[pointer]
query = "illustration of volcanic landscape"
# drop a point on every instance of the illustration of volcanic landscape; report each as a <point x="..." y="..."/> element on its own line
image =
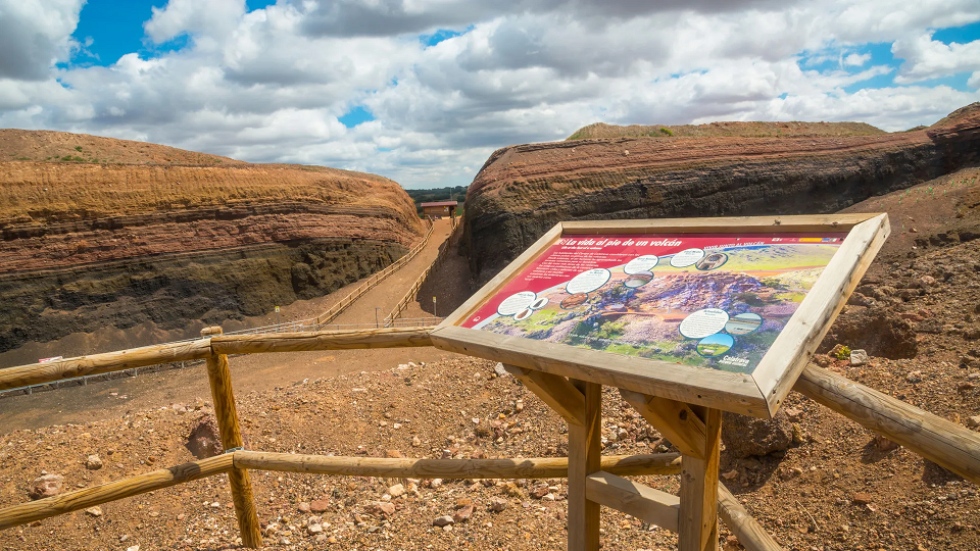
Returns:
<point x="758" y="289"/>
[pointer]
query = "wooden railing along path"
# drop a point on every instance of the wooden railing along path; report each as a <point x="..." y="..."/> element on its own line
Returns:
<point x="947" y="444"/>
<point x="341" y="305"/>
<point x="412" y="294"/>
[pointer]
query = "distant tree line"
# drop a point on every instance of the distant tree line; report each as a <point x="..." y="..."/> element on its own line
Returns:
<point x="455" y="193"/>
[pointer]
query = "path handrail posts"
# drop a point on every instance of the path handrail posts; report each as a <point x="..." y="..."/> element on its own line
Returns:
<point x="373" y="280"/>
<point x="223" y="396"/>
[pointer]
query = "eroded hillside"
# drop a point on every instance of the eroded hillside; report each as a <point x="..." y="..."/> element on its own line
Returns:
<point x="523" y="190"/>
<point x="87" y="245"/>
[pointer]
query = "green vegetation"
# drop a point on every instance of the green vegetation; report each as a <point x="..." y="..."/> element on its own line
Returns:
<point x="666" y="131"/>
<point x="455" y="193"/>
<point x="843" y="353"/>
<point x="78" y="148"/>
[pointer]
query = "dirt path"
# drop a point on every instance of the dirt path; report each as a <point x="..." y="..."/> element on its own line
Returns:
<point x="108" y="399"/>
<point x="386" y="295"/>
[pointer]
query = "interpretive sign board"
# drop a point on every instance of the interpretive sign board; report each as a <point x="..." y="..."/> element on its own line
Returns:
<point x="721" y="312"/>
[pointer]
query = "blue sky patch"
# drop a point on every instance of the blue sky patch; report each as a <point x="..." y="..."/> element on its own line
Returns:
<point x="441" y="35"/>
<point x="358" y="115"/>
<point x="116" y="29"/>
<point x="959" y="35"/>
<point x="252" y="5"/>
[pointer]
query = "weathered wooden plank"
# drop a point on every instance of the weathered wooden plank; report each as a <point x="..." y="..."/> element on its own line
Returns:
<point x="94" y="364"/>
<point x="750" y="534"/>
<point x="128" y="487"/>
<point x="948" y="444"/>
<point x="698" y="527"/>
<point x="321" y="340"/>
<point x="555" y="391"/>
<point x="803" y="223"/>
<point x="643" y="502"/>
<point x="796" y="343"/>
<point x="501" y="278"/>
<point x="693" y="385"/>
<point x="448" y="469"/>
<point x="219" y="377"/>
<point x="675" y="421"/>
<point x="584" y="459"/>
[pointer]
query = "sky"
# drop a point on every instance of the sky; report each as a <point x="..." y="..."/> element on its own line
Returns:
<point x="423" y="91"/>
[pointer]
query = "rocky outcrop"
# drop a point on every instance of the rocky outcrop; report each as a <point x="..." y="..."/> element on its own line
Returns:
<point x="84" y="246"/>
<point x="523" y="190"/>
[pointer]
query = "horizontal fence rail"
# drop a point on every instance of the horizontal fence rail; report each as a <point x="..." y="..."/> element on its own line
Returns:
<point x="939" y="440"/>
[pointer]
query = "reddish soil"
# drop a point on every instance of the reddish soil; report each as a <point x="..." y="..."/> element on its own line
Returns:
<point x="835" y="489"/>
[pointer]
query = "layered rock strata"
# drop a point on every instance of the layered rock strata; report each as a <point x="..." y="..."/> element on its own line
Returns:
<point x="85" y="246"/>
<point x="523" y="190"/>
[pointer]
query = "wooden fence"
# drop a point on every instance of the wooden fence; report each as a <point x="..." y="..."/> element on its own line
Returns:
<point x="341" y="305"/>
<point x="412" y="294"/>
<point x="947" y="444"/>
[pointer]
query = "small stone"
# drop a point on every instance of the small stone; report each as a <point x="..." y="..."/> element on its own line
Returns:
<point x="862" y="498"/>
<point x="93" y="462"/>
<point x="94" y="511"/>
<point x="730" y="475"/>
<point x="203" y="440"/>
<point x="416" y="442"/>
<point x="394" y="454"/>
<point x="463" y="514"/>
<point x="444" y="520"/>
<point x="498" y="504"/>
<point x="965" y="386"/>
<point x="314" y="528"/>
<point x="133" y="548"/>
<point x="46" y="485"/>
<point x="794" y="415"/>
<point x="973" y="422"/>
<point x="319" y="506"/>
<point x="519" y="406"/>
<point x="914" y="377"/>
<point x="859" y="357"/>
<point x="436" y="482"/>
<point x="303" y="507"/>
<point x="885" y="445"/>
<point x="380" y="509"/>
<point x="499" y="370"/>
<point x="397" y="490"/>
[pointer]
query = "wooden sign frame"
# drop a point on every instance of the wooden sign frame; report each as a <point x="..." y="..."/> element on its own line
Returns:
<point x="760" y="393"/>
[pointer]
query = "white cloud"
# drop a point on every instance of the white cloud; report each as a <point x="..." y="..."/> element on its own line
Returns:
<point x="926" y="58"/>
<point x="856" y="60"/>
<point x="974" y="81"/>
<point x="270" y="85"/>
<point x="34" y="35"/>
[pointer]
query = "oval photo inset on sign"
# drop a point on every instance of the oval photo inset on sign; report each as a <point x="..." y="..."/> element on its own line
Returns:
<point x="643" y="263"/>
<point x="588" y="281"/>
<point x="516" y="302"/>
<point x="715" y="345"/>
<point x="574" y="301"/>
<point x="743" y="324"/>
<point x="638" y="279"/>
<point x="703" y="323"/>
<point x="686" y="258"/>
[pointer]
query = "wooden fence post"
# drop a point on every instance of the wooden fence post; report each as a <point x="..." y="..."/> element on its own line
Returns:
<point x="219" y="377"/>
<point x="584" y="459"/>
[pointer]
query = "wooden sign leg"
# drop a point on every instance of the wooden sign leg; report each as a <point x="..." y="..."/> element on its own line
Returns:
<point x="698" y="526"/>
<point x="584" y="459"/>
<point x="219" y="376"/>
